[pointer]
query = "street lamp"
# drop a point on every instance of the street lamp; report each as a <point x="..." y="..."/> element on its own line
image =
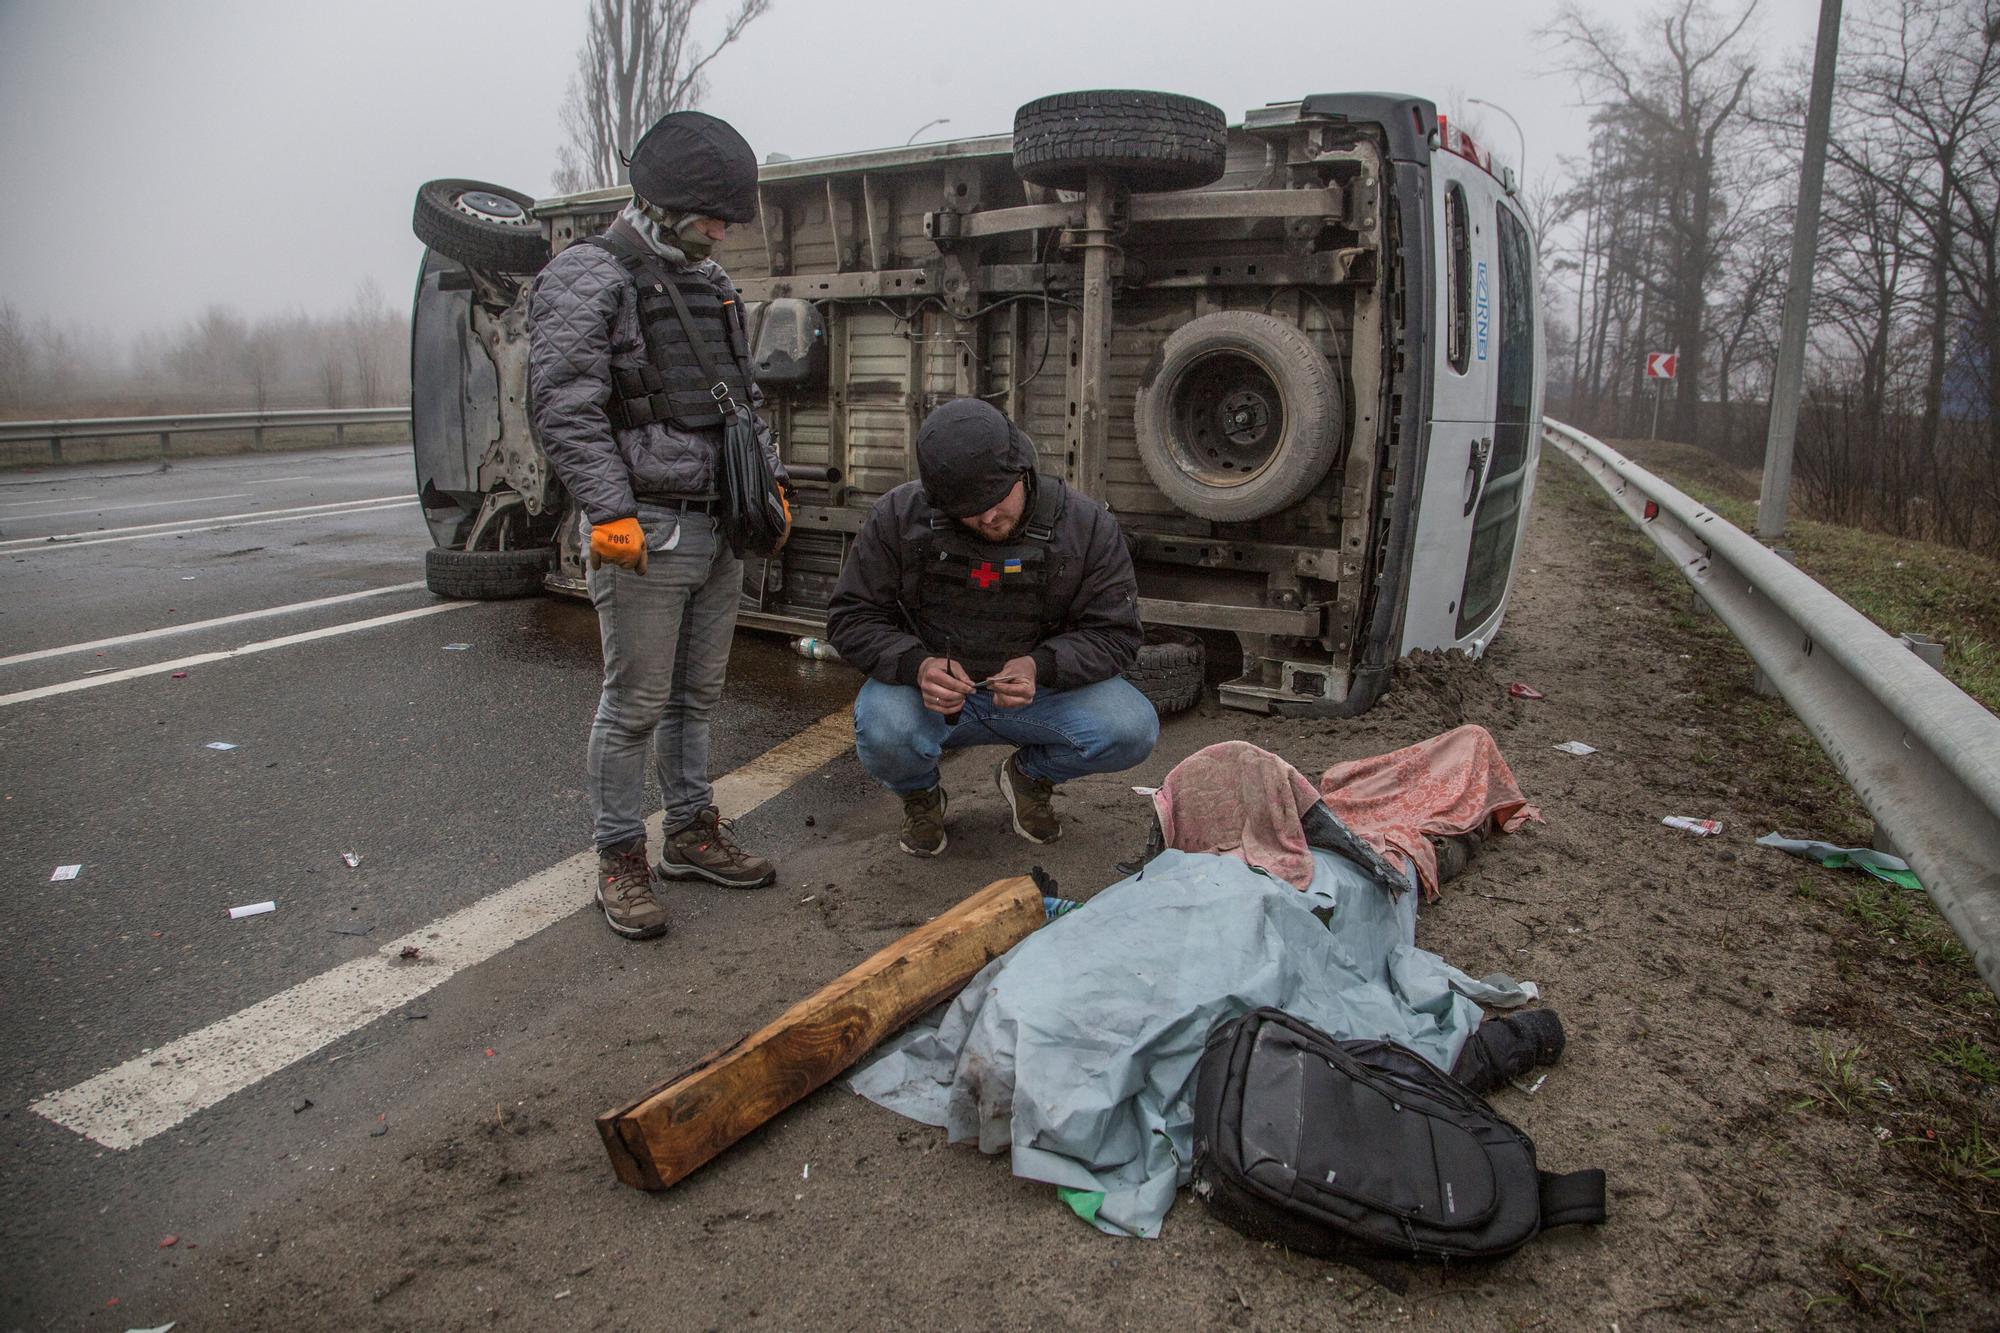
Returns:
<point x="941" y="120"/>
<point x="1517" y="134"/>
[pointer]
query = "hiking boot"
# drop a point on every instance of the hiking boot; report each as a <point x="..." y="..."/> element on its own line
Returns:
<point x="625" y="892"/>
<point x="1030" y="802"/>
<point x="706" y="849"/>
<point x="923" y="822"/>
<point x="1454" y="854"/>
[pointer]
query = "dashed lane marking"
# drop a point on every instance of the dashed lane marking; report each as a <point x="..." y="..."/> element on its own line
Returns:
<point x="237" y="619"/>
<point x="249" y="518"/>
<point x="157" y="1089"/>
<point x="203" y="659"/>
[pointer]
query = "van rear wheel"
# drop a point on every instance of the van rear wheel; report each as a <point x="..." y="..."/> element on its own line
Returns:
<point x="486" y="575"/>
<point x="1239" y="416"/>
<point x="480" y="225"/>
<point x="1170" y="669"/>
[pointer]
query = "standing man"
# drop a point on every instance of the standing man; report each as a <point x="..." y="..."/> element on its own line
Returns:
<point x="989" y="604"/>
<point x="629" y="422"/>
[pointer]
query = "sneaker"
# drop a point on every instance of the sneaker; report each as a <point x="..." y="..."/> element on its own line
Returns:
<point x="923" y="822"/>
<point x="706" y="849"/>
<point x="625" y="892"/>
<point x="1030" y="801"/>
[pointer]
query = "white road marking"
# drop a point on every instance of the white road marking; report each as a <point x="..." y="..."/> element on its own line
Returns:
<point x="22" y="504"/>
<point x="145" y="504"/>
<point x="157" y="1089"/>
<point x="78" y="538"/>
<point x="47" y="544"/>
<point x="236" y="619"/>
<point x="273" y="481"/>
<point x="203" y="659"/>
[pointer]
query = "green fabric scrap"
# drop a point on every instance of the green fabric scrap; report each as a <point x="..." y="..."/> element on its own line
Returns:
<point x="1084" y="1203"/>
<point x="1891" y="869"/>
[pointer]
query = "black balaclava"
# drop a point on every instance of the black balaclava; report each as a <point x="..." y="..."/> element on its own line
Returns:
<point x="969" y="456"/>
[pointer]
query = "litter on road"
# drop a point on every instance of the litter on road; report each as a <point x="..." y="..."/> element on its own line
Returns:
<point x="66" y="872"/>
<point x="1701" y="828"/>
<point x="351" y="859"/>
<point x="456" y="647"/>
<point x="1892" y="869"/>
<point x="1521" y="691"/>
<point x="221" y="745"/>
<point x="1576" y="748"/>
<point x="178" y="675"/>
<point x="253" y="909"/>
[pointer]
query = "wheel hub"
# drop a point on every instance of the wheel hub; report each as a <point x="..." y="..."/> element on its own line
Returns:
<point x="494" y="208"/>
<point x="1228" y="419"/>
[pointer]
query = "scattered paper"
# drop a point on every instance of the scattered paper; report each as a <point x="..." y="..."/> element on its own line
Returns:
<point x="1576" y="747"/>
<point x="66" y="872"/>
<point x="179" y="675"/>
<point x="456" y="647"/>
<point x="254" y="909"/>
<point x="187" y="578"/>
<point x="98" y="671"/>
<point x="221" y="745"/>
<point x="1701" y="828"/>
<point x="168" y="1242"/>
<point x="161" y="1328"/>
<point x="807" y="1173"/>
<point x="351" y="859"/>
<point x="1521" y="691"/>
<point x="1145" y="791"/>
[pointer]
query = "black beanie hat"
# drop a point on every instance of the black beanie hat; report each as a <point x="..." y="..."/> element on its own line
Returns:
<point x="691" y="162"/>
<point x="969" y="456"/>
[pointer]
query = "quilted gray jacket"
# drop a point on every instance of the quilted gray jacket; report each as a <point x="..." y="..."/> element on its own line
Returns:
<point x="583" y="319"/>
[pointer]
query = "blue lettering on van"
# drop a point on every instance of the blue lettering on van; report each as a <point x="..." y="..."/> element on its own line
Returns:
<point x="1482" y="309"/>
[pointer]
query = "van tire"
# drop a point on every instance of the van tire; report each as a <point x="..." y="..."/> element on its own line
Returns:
<point x="1144" y="141"/>
<point x="453" y="220"/>
<point x="487" y="576"/>
<point x="1285" y="408"/>
<point x="1169" y="670"/>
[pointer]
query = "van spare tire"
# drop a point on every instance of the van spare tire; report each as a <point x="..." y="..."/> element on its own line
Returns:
<point x="1239" y="416"/>
<point x="480" y="225"/>
<point x="1144" y="141"/>
<point x="1170" y="669"/>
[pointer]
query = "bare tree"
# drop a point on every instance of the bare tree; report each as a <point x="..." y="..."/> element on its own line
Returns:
<point x="639" y="60"/>
<point x="1682" y="102"/>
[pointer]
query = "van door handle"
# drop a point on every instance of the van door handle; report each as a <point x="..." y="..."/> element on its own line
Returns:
<point x="1475" y="472"/>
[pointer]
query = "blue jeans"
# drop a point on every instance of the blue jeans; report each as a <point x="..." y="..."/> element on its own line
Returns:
<point x="1061" y="734"/>
<point x="666" y="640"/>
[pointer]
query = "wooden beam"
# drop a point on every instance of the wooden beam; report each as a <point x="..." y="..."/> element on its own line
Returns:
<point x="680" y="1125"/>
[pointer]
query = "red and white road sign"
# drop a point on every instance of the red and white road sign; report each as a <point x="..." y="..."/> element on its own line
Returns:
<point x="1660" y="365"/>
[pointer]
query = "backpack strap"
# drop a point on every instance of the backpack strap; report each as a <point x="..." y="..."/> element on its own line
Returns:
<point x="1573" y="1198"/>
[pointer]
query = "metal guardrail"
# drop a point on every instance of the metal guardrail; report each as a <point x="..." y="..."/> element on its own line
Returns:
<point x="205" y="423"/>
<point x="1923" y="755"/>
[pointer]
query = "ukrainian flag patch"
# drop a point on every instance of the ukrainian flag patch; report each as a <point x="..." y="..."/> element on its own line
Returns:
<point x="1011" y="567"/>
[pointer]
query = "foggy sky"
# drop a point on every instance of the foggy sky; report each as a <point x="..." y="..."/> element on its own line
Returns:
<point x="158" y="158"/>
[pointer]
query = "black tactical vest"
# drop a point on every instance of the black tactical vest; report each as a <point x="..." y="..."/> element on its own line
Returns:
<point x="983" y="603"/>
<point x="670" y="386"/>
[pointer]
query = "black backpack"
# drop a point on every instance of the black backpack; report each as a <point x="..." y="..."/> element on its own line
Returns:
<point x="1345" y="1148"/>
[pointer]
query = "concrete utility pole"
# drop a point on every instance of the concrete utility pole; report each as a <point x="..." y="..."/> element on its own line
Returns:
<point x="1787" y="382"/>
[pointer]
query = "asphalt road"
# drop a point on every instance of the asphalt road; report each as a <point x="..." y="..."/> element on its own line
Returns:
<point x="452" y="775"/>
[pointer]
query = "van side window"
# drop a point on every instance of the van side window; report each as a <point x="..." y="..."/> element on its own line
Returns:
<point x="1458" y="279"/>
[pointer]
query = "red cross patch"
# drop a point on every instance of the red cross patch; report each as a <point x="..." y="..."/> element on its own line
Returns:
<point x="984" y="574"/>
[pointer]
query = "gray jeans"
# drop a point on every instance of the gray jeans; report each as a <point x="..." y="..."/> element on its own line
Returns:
<point x="666" y="648"/>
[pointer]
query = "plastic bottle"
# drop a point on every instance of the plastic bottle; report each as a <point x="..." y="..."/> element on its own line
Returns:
<point x="817" y="649"/>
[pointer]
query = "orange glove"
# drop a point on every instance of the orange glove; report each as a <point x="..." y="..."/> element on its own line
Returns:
<point x="785" y="499"/>
<point x="621" y="541"/>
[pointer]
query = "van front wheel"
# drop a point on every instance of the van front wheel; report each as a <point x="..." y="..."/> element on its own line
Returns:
<point x="1239" y="416"/>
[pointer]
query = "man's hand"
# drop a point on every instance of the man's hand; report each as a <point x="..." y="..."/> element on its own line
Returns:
<point x="621" y="541"/>
<point x="1014" y="684"/>
<point x="944" y="685"/>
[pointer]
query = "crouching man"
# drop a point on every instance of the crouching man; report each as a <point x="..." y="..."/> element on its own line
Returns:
<point x="989" y="605"/>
